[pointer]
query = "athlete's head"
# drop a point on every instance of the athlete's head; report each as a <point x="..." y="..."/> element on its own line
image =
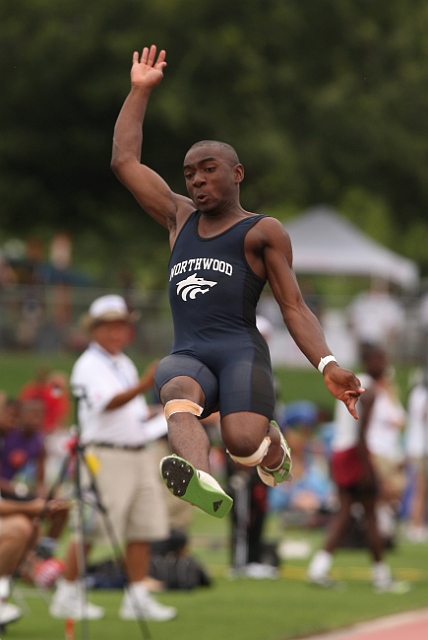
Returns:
<point x="227" y="150"/>
<point x="213" y="174"/>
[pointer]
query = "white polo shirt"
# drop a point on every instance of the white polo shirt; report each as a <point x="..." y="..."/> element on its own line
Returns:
<point x="97" y="377"/>
<point x="416" y="437"/>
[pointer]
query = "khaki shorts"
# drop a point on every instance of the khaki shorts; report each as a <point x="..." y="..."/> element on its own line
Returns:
<point x="391" y="475"/>
<point x="130" y="489"/>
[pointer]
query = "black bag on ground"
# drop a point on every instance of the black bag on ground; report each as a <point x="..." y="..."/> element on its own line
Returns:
<point x="178" y="571"/>
<point x="107" y="574"/>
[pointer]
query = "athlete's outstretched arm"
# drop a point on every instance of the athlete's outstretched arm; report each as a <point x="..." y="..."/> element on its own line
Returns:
<point x="149" y="189"/>
<point x="301" y="322"/>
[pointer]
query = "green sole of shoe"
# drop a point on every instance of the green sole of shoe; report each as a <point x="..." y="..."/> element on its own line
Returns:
<point x="182" y="480"/>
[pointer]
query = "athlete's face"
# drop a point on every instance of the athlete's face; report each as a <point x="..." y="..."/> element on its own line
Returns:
<point x="211" y="180"/>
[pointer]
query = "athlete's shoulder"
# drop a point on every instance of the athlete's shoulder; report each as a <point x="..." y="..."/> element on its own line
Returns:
<point x="271" y="229"/>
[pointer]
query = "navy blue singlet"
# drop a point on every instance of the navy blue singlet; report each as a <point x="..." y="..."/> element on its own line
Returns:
<point x="213" y="295"/>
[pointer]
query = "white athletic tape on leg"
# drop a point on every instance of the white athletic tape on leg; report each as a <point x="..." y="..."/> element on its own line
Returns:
<point x="255" y="458"/>
<point x="181" y="406"/>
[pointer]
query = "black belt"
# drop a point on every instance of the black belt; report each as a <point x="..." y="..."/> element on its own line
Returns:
<point x="122" y="447"/>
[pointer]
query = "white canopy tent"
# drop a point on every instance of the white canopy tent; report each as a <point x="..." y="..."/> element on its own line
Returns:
<point x="325" y="243"/>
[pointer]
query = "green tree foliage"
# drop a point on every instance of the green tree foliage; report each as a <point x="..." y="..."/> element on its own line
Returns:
<point x="324" y="100"/>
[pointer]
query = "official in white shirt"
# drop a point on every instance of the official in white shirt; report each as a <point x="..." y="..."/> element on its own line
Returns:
<point x="115" y="425"/>
<point x="416" y="442"/>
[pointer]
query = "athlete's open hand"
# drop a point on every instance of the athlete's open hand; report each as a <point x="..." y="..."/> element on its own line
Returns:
<point x="344" y="385"/>
<point x="147" y="71"/>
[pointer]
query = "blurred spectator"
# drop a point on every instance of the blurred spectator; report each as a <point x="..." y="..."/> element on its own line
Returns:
<point x="311" y="491"/>
<point x="8" y="275"/>
<point x="58" y="407"/>
<point x="9" y="412"/>
<point x="31" y="312"/>
<point x="18" y="534"/>
<point x="113" y="417"/>
<point x="416" y="443"/>
<point x="56" y="423"/>
<point x="249" y="509"/>
<point x="423" y="326"/>
<point x="51" y="388"/>
<point x="354" y="472"/>
<point x="37" y="389"/>
<point x="128" y="288"/>
<point x="22" y="465"/>
<point x="376" y="316"/>
<point x="387" y="420"/>
<point x="23" y="457"/>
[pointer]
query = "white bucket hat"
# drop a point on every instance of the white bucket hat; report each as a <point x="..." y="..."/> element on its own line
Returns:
<point x="107" y="309"/>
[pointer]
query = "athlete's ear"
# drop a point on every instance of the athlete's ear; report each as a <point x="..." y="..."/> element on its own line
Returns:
<point x="238" y="173"/>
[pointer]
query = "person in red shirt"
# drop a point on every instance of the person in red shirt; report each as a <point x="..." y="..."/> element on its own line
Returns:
<point x="51" y="389"/>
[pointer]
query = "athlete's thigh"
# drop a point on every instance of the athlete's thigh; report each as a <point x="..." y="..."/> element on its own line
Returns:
<point x="246" y="384"/>
<point x="180" y="376"/>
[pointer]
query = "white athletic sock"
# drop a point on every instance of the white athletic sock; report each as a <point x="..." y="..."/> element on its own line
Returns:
<point x="381" y="574"/>
<point x="137" y="589"/>
<point x="385" y="519"/>
<point x="5" y="587"/>
<point x="67" y="587"/>
<point x="320" y="564"/>
<point x="206" y="477"/>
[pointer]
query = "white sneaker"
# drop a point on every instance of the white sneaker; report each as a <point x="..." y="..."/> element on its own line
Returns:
<point x="139" y="604"/>
<point x="259" y="571"/>
<point x="393" y="586"/>
<point x="9" y="613"/>
<point x="67" y="602"/>
<point x="418" y="535"/>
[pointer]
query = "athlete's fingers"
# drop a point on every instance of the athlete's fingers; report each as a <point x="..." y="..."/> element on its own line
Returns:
<point x="350" y="400"/>
<point x="152" y="55"/>
<point x="160" y="62"/>
<point x="144" y="55"/>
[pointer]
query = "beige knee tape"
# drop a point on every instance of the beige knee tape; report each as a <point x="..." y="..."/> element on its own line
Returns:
<point x="256" y="458"/>
<point x="181" y="406"/>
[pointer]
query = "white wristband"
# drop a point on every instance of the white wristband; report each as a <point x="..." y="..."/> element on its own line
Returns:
<point x="324" y="361"/>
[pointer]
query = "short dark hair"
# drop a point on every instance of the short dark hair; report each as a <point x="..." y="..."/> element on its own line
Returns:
<point x="229" y="151"/>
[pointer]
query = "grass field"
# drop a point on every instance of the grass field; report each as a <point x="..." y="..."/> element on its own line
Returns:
<point x="246" y="609"/>
<point x="294" y="384"/>
<point x="237" y="609"/>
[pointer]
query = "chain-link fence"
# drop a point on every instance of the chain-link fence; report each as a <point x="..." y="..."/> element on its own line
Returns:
<point x="45" y="319"/>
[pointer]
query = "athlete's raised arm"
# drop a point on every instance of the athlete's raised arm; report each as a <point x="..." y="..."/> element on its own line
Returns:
<point x="149" y="189"/>
<point x="302" y="324"/>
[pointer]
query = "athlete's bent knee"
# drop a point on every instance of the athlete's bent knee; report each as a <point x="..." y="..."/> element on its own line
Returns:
<point x="255" y="458"/>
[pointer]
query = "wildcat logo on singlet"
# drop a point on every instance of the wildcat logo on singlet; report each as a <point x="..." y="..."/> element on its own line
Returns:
<point x="193" y="285"/>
